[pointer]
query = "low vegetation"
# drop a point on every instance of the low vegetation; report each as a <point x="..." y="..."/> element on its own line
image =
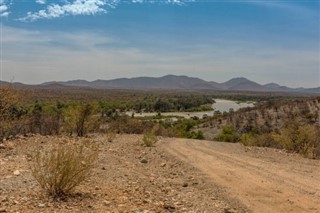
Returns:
<point x="282" y="122"/>
<point x="64" y="166"/>
<point x="149" y="139"/>
<point x="111" y="135"/>
<point x="293" y="125"/>
<point x="228" y="134"/>
<point x="84" y="111"/>
<point x="84" y="117"/>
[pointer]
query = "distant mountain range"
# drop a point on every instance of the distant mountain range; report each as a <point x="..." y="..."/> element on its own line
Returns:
<point x="174" y="82"/>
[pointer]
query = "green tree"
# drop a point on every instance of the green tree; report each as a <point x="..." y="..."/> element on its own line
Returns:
<point x="228" y="134"/>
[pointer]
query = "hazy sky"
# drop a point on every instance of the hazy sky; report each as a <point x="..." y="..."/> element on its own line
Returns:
<point x="265" y="41"/>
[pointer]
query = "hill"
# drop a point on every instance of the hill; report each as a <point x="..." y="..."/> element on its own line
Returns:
<point x="184" y="83"/>
<point x="173" y="82"/>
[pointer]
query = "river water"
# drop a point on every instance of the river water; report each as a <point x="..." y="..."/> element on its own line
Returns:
<point x="225" y="105"/>
<point x="221" y="105"/>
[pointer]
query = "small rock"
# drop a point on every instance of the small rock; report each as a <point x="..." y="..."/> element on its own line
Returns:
<point x="229" y="210"/>
<point x="169" y="207"/>
<point x="24" y="199"/>
<point x="2" y="210"/>
<point x="96" y="188"/>
<point x="185" y="185"/>
<point x="163" y="164"/>
<point x="5" y="199"/>
<point x="2" y="146"/>
<point x="144" y="160"/>
<point x="103" y="168"/>
<point x="16" y="173"/>
<point x="177" y="203"/>
<point x="42" y="205"/>
<point x="106" y="203"/>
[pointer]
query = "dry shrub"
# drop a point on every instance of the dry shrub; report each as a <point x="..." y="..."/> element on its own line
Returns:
<point x="303" y="139"/>
<point x="130" y="126"/>
<point x="62" y="167"/>
<point x="149" y="139"/>
<point x="263" y="140"/>
<point x="8" y="98"/>
<point x="160" y="130"/>
<point x="111" y="135"/>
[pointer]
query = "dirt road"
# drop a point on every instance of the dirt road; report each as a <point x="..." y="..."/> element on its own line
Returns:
<point x="265" y="180"/>
<point x="127" y="178"/>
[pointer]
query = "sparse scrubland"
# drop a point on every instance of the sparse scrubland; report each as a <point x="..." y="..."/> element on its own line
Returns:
<point x="293" y="125"/>
<point x="290" y="122"/>
<point x="53" y="116"/>
<point x="74" y="131"/>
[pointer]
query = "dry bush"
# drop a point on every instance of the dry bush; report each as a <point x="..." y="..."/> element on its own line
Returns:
<point x="160" y="130"/>
<point x="149" y="139"/>
<point x="8" y="98"/>
<point x="303" y="139"/>
<point x="62" y="167"/>
<point x="264" y="140"/>
<point x="111" y="135"/>
<point x="80" y="119"/>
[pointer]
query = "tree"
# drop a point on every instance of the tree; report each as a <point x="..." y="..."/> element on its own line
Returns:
<point x="8" y="98"/>
<point x="76" y="118"/>
<point x="83" y="116"/>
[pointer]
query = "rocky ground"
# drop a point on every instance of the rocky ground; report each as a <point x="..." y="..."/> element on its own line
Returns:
<point x="128" y="177"/>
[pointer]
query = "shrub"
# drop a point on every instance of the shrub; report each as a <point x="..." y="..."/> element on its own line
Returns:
<point x="264" y="140"/>
<point x="84" y="113"/>
<point x="196" y="135"/>
<point x="149" y="139"/>
<point x="303" y="139"/>
<point x="79" y="118"/>
<point x="184" y="127"/>
<point x="111" y="135"/>
<point x="125" y="124"/>
<point x="228" y="134"/>
<point x="8" y="98"/>
<point x="62" y="167"/>
<point x="163" y="129"/>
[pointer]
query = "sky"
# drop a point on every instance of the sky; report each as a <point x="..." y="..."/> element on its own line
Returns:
<point x="216" y="40"/>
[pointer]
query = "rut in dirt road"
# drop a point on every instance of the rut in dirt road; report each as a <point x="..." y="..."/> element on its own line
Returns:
<point x="265" y="180"/>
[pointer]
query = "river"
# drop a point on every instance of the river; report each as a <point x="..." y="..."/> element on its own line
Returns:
<point x="221" y="105"/>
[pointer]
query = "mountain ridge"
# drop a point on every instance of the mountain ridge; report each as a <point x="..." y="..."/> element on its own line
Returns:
<point x="174" y="82"/>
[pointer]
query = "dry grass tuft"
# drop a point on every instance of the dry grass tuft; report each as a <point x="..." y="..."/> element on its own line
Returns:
<point x="111" y="135"/>
<point x="149" y="139"/>
<point x="62" y="167"/>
